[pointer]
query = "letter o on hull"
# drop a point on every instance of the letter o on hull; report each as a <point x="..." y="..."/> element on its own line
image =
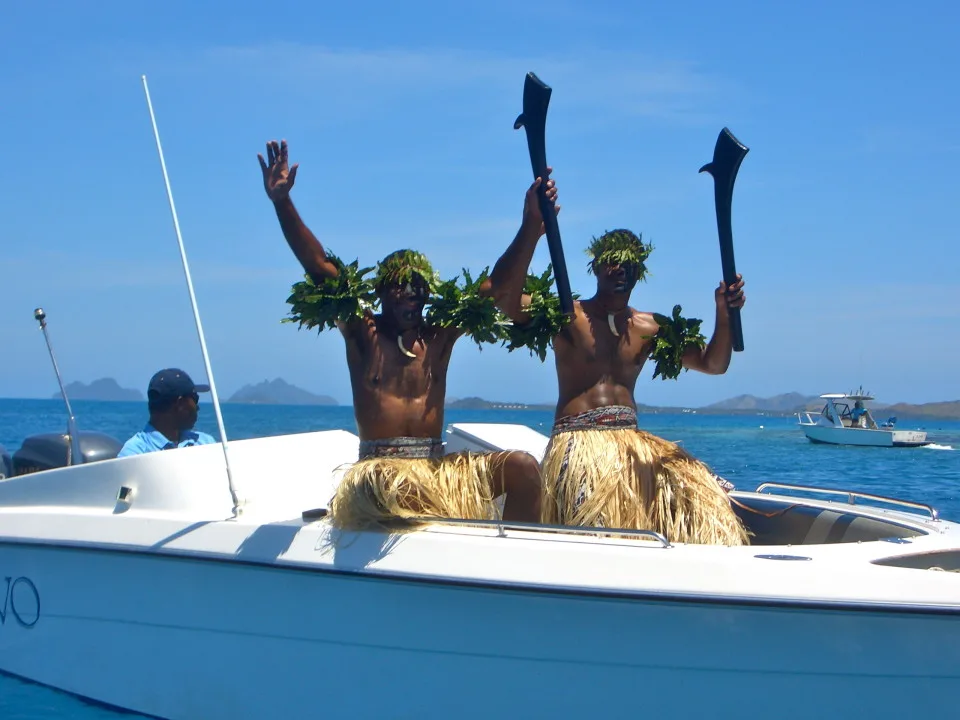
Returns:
<point x="25" y="602"/>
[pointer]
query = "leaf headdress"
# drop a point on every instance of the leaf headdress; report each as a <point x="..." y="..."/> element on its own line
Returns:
<point x="619" y="247"/>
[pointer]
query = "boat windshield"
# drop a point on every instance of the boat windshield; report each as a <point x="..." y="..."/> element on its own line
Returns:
<point x="858" y="416"/>
<point x="830" y="411"/>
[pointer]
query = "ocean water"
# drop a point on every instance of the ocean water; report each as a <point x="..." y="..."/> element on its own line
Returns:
<point x="746" y="450"/>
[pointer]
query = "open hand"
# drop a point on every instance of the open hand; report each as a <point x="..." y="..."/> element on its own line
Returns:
<point x="278" y="178"/>
<point x="730" y="297"/>
<point x="531" y="204"/>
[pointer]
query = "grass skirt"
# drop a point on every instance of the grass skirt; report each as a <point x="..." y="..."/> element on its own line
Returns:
<point x="397" y="491"/>
<point x="624" y="477"/>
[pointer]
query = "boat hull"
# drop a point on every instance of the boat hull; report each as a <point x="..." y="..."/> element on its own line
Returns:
<point x="180" y="637"/>
<point x="864" y="437"/>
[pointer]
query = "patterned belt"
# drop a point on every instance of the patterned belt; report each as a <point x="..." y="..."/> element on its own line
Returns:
<point x="402" y="447"/>
<point x="611" y="417"/>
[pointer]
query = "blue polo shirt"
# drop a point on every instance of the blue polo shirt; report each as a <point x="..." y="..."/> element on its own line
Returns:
<point x="150" y="439"/>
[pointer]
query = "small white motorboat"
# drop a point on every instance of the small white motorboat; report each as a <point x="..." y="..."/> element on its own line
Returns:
<point x="180" y="585"/>
<point x="206" y="583"/>
<point x="130" y="581"/>
<point x="846" y="420"/>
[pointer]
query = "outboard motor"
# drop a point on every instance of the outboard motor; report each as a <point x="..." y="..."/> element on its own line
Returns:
<point x="53" y="450"/>
<point x="6" y="464"/>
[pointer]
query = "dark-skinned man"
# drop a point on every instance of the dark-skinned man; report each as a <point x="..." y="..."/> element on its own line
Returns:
<point x="172" y="399"/>
<point x="398" y="373"/>
<point x="600" y="469"/>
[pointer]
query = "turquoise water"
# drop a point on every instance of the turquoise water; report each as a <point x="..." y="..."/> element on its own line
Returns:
<point x="747" y="450"/>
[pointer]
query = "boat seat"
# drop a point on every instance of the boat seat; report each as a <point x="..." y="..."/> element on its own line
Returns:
<point x="831" y="526"/>
<point x="777" y="523"/>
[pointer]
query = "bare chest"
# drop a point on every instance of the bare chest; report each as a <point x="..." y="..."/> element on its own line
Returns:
<point x="617" y="346"/>
<point x="385" y="367"/>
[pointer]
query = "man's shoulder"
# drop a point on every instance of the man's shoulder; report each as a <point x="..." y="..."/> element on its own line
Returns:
<point x="643" y="317"/>
<point x="202" y="438"/>
<point x="437" y="333"/>
<point x="359" y="326"/>
<point x="136" y="445"/>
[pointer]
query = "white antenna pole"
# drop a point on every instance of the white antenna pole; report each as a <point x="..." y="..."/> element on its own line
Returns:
<point x="193" y="302"/>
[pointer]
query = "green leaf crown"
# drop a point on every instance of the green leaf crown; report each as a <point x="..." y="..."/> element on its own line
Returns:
<point x="619" y="247"/>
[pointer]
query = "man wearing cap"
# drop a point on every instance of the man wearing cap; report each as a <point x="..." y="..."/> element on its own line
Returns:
<point x="172" y="399"/>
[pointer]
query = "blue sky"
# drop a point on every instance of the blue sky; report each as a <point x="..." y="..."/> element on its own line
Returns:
<point x="401" y="118"/>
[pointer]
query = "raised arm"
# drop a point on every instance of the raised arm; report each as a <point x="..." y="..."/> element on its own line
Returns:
<point x="506" y="281"/>
<point x="714" y="359"/>
<point x="278" y="181"/>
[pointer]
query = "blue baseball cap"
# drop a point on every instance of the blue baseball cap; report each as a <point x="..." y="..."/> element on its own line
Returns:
<point x="173" y="383"/>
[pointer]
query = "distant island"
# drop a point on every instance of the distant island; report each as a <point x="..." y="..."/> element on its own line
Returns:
<point x="103" y="389"/>
<point x="475" y="403"/>
<point x="789" y="402"/>
<point x="278" y="392"/>
<point x="784" y="405"/>
<point x="944" y="410"/>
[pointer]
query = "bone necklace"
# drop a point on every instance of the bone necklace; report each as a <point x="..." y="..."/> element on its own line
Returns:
<point x="402" y="348"/>
<point x="408" y="289"/>
<point x="613" y="326"/>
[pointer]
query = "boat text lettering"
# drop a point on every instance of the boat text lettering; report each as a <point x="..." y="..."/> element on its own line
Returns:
<point x="21" y="602"/>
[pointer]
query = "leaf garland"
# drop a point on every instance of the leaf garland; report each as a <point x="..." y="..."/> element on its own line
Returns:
<point x="676" y="335"/>
<point x="453" y="303"/>
<point x="462" y="306"/>
<point x="546" y="318"/>
<point x="325" y="302"/>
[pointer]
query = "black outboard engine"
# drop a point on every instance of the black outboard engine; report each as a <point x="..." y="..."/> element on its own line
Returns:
<point x="52" y="450"/>
<point x="6" y="464"/>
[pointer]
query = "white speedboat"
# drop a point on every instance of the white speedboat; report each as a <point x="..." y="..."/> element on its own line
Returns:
<point x="202" y="583"/>
<point x="846" y="420"/>
<point x="129" y="581"/>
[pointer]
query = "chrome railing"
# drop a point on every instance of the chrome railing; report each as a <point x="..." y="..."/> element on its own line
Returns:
<point x="502" y="525"/>
<point x="852" y="496"/>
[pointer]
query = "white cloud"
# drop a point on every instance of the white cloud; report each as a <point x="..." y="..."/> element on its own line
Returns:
<point x="600" y="82"/>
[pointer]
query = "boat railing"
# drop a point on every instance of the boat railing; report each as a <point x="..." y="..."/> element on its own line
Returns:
<point x="852" y="496"/>
<point x="540" y="527"/>
<point x="502" y="525"/>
